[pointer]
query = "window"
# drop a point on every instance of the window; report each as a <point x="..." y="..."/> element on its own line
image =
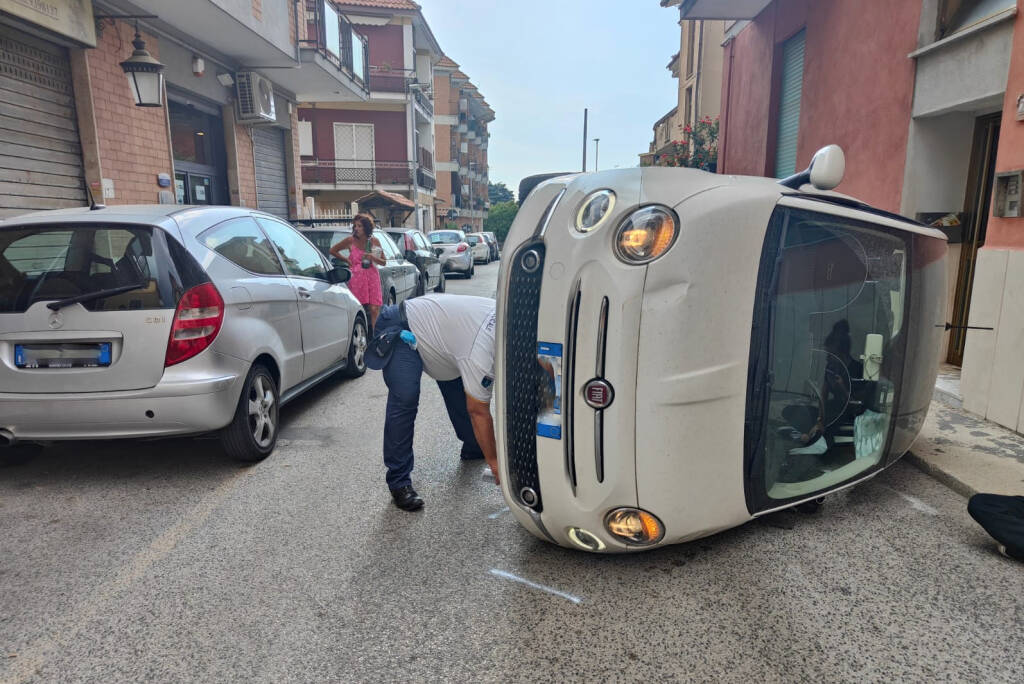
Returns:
<point x="389" y="248"/>
<point x="50" y="262"/>
<point x="300" y="258"/>
<point x="420" y="241"/>
<point x="243" y="243"/>
<point x="688" y="107"/>
<point x="791" y="90"/>
<point x="957" y="15"/>
<point x="332" y="29"/>
<point x="831" y="354"/>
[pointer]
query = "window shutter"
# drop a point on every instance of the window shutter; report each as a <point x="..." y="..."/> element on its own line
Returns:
<point x="789" y="105"/>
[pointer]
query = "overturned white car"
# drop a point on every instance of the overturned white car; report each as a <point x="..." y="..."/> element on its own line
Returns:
<point x="680" y="352"/>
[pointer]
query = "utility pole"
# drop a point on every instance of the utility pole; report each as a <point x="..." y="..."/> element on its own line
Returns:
<point x="597" y="150"/>
<point x="584" y="140"/>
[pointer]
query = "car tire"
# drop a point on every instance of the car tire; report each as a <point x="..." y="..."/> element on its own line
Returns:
<point x="19" y="454"/>
<point x="472" y="270"/>
<point x="356" y="366"/>
<point x="440" y="285"/>
<point x="391" y="299"/>
<point x="252" y="434"/>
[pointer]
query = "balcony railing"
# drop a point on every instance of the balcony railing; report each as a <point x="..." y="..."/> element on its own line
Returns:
<point x="423" y="101"/>
<point x="425" y="179"/>
<point x="384" y="80"/>
<point x="335" y="38"/>
<point x="363" y="172"/>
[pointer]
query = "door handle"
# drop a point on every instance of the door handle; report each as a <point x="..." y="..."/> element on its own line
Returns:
<point x="304" y="293"/>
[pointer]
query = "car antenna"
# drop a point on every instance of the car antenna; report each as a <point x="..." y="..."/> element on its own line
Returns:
<point x="92" y="199"/>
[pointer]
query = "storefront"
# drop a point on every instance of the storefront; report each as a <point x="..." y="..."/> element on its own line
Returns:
<point x="200" y="163"/>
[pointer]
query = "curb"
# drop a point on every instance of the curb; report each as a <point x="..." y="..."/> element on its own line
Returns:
<point x="944" y="478"/>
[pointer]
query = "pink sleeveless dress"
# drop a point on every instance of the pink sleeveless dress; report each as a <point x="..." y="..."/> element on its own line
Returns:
<point x="365" y="282"/>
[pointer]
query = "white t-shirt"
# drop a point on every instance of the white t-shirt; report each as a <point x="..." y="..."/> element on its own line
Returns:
<point x="455" y="337"/>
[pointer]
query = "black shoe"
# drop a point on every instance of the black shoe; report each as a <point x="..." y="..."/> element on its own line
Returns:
<point x="407" y="499"/>
<point x="467" y="455"/>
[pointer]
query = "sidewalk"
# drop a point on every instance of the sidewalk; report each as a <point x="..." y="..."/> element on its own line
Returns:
<point x="966" y="452"/>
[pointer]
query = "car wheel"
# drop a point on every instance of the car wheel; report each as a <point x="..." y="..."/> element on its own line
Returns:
<point x="357" y="350"/>
<point x="19" y="454"/>
<point x="391" y="298"/>
<point x="472" y="270"/>
<point x="252" y="433"/>
<point x="440" y="284"/>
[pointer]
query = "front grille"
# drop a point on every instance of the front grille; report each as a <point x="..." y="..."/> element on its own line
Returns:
<point x="522" y="372"/>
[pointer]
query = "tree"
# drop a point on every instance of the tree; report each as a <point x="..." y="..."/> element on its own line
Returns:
<point x="498" y="192"/>
<point x="499" y="219"/>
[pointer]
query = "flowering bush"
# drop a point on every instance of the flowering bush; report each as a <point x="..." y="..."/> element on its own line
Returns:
<point x="698" y="150"/>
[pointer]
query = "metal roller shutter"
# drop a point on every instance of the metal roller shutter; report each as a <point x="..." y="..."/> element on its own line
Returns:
<point x="789" y="105"/>
<point x="271" y="171"/>
<point x="40" y="153"/>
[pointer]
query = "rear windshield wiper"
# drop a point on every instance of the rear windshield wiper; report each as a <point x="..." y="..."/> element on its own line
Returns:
<point x="92" y="296"/>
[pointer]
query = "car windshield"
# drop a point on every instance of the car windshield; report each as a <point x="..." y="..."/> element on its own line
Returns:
<point x="445" y="237"/>
<point x="53" y="262"/>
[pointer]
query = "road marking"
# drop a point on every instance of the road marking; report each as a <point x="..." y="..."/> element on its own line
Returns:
<point x="67" y="629"/>
<point x="494" y="515"/>
<point x="914" y="502"/>
<point x="533" y="585"/>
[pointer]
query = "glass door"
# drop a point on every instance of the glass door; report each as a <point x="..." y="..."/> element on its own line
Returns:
<point x="826" y="355"/>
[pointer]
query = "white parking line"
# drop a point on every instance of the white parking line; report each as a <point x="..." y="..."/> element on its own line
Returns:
<point x="533" y="585"/>
<point x="494" y="515"/>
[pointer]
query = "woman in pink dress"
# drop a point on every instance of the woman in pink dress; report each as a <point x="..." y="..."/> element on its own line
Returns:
<point x="364" y="255"/>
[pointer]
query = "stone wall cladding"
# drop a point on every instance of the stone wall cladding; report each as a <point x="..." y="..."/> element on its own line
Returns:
<point x="133" y="141"/>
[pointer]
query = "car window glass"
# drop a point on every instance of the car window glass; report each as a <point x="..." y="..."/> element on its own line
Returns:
<point x="472" y="239"/>
<point x="241" y="241"/>
<point x="300" y="258"/>
<point x="322" y="239"/>
<point x="445" y="237"/>
<point x="420" y="241"/>
<point x="390" y="251"/>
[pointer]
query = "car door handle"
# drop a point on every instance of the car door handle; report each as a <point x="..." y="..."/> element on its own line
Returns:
<point x="304" y="293"/>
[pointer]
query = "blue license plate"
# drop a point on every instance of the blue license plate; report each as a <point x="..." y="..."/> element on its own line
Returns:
<point x="68" y="355"/>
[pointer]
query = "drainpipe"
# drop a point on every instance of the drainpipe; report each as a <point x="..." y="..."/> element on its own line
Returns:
<point x="724" y="119"/>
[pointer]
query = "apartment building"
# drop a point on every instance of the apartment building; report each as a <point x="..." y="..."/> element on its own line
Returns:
<point x="461" y="142"/>
<point x="697" y="68"/>
<point x="215" y="125"/>
<point x="926" y="97"/>
<point x="385" y="143"/>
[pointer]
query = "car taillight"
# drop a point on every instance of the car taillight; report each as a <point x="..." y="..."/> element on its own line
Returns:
<point x="462" y="247"/>
<point x="196" y="323"/>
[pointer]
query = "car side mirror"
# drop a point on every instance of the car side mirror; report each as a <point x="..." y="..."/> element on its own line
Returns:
<point x="410" y="255"/>
<point x="438" y="252"/>
<point x="339" y="274"/>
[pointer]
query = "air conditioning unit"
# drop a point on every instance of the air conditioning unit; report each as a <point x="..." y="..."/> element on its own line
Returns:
<point x="255" y="98"/>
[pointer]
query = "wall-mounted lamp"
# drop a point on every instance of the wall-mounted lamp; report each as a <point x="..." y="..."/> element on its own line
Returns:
<point x="145" y="75"/>
<point x="198" y="66"/>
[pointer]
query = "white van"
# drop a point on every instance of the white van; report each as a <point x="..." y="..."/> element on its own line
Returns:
<point x="680" y="352"/>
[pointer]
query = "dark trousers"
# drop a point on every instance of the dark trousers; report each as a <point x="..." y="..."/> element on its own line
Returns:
<point x="1003" y="518"/>
<point x="402" y="376"/>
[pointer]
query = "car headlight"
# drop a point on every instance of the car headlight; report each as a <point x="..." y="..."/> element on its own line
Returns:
<point x="634" y="526"/>
<point x="595" y="208"/>
<point x="646" y="234"/>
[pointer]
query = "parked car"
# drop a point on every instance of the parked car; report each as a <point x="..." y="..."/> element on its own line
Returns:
<point x="479" y="247"/>
<point x="492" y="240"/>
<point x="416" y="248"/>
<point x="680" y="352"/>
<point x="398" y="279"/>
<point x="151" y="321"/>
<point x="453" y="251"/>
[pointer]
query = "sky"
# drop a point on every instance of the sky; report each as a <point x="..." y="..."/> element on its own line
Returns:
<point x="540" y="62"/>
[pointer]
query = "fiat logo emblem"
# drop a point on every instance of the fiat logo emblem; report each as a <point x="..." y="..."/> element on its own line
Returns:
<point x="598" y="394"/>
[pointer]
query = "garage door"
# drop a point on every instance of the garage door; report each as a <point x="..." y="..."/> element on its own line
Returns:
<point x="271" y="172"/>
<point x="40" y="155"/>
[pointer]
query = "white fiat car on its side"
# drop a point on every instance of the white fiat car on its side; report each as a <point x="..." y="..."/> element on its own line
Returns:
<point x="679" y="352"/>
<point x="152" y="321"/>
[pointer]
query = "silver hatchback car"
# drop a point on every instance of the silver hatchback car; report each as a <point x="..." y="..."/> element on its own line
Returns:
<point x="151" y="321"/>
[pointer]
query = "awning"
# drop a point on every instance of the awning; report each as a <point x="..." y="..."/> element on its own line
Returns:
<point x="379" y="199"/>
<point x="722" y="9"/>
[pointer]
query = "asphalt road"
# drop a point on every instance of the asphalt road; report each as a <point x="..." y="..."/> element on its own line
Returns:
<point x="167" y="562"/>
